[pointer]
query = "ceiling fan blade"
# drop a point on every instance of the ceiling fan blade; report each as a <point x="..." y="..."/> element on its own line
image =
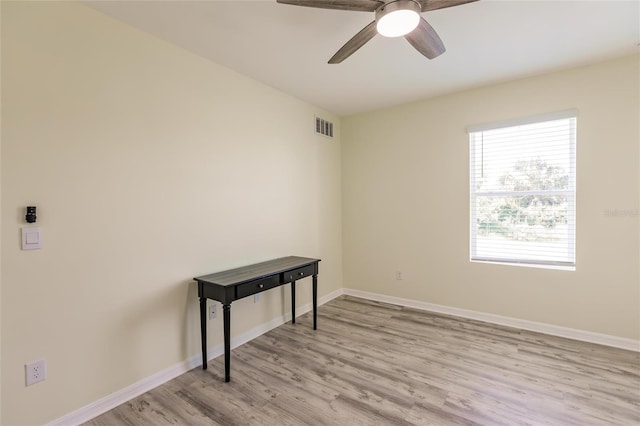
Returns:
<point x="426" y="40"/>
<point x="357" y="5"/>
<point x="355" y="43"/>
<point x="428" y="5"/>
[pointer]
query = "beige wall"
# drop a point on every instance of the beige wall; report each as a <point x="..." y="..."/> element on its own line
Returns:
<point x="406" y="202"/>
<point x="149" y="166"/>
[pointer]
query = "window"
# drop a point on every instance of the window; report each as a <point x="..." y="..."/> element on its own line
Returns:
<point x="523" y="191"/>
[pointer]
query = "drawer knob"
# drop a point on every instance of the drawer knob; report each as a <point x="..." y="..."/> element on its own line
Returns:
<point x="260" y="285"/>
<point x="301" y="273"/>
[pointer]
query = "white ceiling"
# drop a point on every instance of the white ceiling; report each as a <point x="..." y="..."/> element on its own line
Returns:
<point x="489" y="41"/>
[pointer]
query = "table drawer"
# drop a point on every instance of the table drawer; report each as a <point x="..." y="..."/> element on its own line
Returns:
<point x="297" y="274"/>
<point x="253" y="287"/>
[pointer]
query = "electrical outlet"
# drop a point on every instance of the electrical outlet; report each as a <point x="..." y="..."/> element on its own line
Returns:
<point x="256" y="298"/>
<point x="399" y="275"/>
<point x="213" y="312"/>
<point x="35" y="372"/>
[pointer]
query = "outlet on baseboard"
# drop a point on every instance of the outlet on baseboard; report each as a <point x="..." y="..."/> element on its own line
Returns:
<point x="399" y="275"/>
<point x="35" y="372"/>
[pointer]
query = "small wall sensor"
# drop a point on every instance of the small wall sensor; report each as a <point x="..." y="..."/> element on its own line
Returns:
<point x="31" y="214"/>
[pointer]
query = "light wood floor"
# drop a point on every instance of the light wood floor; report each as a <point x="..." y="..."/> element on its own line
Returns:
<point x="372" y="363"/>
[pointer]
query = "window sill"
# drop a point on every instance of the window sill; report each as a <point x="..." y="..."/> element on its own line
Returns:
<point x="526" y="265"/>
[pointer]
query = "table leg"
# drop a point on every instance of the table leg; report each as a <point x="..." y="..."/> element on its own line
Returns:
<point x="226" y="310"/>
<point x="315" y="302"/>
<point x="203" y="330"/>
<point x="293" y="302"/>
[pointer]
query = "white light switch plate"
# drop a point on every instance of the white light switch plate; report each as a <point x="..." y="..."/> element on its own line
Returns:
<point x="31" y="238"/>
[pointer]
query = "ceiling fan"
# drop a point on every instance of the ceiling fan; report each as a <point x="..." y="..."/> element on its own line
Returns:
<point x="394" y="18"/>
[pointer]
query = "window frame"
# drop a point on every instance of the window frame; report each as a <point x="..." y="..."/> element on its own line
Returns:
<point x="569" y="193"/>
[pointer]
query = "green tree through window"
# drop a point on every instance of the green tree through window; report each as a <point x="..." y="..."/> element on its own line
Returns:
<point x="504" y="216"/>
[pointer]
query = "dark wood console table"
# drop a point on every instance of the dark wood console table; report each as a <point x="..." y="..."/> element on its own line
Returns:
<point x="234" y="284"/>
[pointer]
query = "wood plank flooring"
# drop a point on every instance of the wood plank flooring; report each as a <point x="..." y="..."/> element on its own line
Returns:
<point x="372" y="363"/>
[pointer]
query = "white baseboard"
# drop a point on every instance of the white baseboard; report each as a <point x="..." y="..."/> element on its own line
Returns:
<point x="554" y="330"/>
<point x="109" y="402"/>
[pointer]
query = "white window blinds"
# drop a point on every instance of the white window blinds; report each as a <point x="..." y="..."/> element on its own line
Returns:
<point x="523" y="191"/>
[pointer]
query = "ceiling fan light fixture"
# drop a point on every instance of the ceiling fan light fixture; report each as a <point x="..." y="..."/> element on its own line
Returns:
<point x="398" y="18"/>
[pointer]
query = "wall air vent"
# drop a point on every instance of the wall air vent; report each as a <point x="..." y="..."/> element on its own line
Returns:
<point x="324" y="127"/>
